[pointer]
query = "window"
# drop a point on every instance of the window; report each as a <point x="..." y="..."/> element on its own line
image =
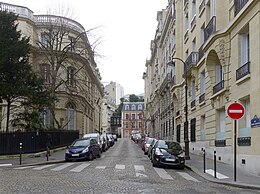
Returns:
<point x="140" y="107"/>
<point x="193" y="91"/>
<point x="126" y="125"/>
<point x="71" y="118"/>
<point x="202" y="83"/>
<point x="193" y="9"/>
<point x="202" y="128"/>
<point x="72" y="44"/>
<point x="219" y="73"/>
<point x="71" y="76"/>
<point x="133" y="107"/>
<point x="45" y="40"/>
<point x="140" y="125"/>
<point x="46" y="117"/>
<point x="212" y="8"/>
<point x="127" y="116"/>
<point x="194" y="45"/>
<point x="133" y="116"/>
<point x="133" y="124"/>
<point x="244" y="48"/>
<point x="45" y="72"/>
<point x="126" y="107"/>
<point x="222" y="121"/>
<point x="140" y="115"/>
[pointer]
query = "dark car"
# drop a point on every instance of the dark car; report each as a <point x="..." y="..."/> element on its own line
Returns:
<point x="150" y="148"/>
<point x="104" y="143"/>
<point x="168" y="153"/>
<point x="83" y="149"/>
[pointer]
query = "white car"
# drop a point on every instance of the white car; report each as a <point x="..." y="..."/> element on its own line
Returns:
<point x="95" y="136"/>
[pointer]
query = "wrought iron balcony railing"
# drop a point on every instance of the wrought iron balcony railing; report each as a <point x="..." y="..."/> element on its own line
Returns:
<point x="239" y="4"/>
<point x="202" y="98"/>
<point x="219" y="86"/>
<point x="210" y="28"/>
<point x="191" y="60"/>
<point x="201" y="53"/>
<point x="201" y="6"/>
<point x="243" y="71"/>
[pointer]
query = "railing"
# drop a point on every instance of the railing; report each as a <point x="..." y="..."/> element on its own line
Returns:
<point x="243" y="71"/>
<point x="201" y="6"/>
<point x="239" y="4"/>
<point x="193" y="103"/>
<point x="59" y="21"/>
<point x="201" y="53"/>
<point x="210" y="28"/>
<point x="186" y="35"/>
<point x="218" y="87"/>
<point x="191" y="60"/>
<point x="202" y="98"/>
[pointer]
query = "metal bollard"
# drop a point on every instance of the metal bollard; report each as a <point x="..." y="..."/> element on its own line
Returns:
<point x="204" y="160"/>
<point x="21" y="147"/>
<point x="215" y="164"/>
<point x="47" y="153"/>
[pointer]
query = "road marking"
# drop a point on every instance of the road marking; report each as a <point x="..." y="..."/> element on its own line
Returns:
<point x="188" y="177"/>
<point x="24" y="167"/>
<point x="43" y="167"/>
<point x="163" y="174"/>
<point x="138" y="169"/>
<point x="5" y="165"/>
<point x="100" y="167"/>
<point x="80" y="168"/>
<point x="62" y="167"/>
<point x="219" y="175"/>
<point x="120" y="166"/>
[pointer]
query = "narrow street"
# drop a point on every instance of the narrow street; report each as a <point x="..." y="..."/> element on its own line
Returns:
<point x="121" y="169"/>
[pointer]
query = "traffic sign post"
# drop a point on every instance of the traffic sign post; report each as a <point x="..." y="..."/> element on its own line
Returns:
<point x="235" y="111"/>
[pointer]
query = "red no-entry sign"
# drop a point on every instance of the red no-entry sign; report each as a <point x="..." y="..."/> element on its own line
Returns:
<point x="235" y="111"/>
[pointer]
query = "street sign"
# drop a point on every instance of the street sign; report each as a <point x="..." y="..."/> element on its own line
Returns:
<point x="235" y="111"/>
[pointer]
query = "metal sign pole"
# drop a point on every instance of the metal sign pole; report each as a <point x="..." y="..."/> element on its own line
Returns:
<point x="235" y="150"/>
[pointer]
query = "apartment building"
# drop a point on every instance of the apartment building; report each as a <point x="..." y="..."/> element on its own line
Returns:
<point x="206" y="52"/>
<point x="115" y="91"/>
<point x="132" y="119"/>
<point x="72" y="70"/>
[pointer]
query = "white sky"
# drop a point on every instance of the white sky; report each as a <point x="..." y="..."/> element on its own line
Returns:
<point x="126" y="27"/>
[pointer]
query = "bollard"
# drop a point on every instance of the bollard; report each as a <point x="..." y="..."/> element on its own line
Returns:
<point x="47" y="153"/>
<point x="215" y="164"/>
<point x="21" y="147"/>
<point x="204" y="160"/>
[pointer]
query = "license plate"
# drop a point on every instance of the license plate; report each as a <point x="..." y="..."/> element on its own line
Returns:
<point x="170" y="159"/>
<point x="74" y="154"/>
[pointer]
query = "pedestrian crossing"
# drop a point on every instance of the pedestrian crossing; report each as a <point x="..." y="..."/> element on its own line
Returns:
<point x="140" y="170"/>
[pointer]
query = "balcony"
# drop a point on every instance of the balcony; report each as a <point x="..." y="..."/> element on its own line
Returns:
<point x="202" y="98"/>
<point x="191" y="60"/>
<point x="201" y="53"/>
<point x="186" y="36"/>
<point x="218" y="87"/>
<point x="210" y="28"/>
<point x="193" y="103"/>
<point x="243" y="71"/>
<point x="239" y="4"/>
<point x="169" y="79"/>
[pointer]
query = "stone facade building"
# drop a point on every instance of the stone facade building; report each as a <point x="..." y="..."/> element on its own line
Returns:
<point x="212" y="47"/>
<point x="62" y="55"/>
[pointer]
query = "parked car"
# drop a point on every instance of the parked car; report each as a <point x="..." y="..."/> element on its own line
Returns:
<point x="115" y="137"/>
<point x="104" y="142"/>
<point x="150" y="148"/>
<point x="169" y="153"/>
<point x="83" y="149"/>
<point x="95" y="136"/>
<point x="110" y="140"/>
<point x="147" y="143"/>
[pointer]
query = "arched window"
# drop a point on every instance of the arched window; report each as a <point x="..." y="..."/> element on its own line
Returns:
<point x="71" y="76"/>
<point x="71" y="116"/>
<point x="45" y="72"/>
<point x="133" y="107"/>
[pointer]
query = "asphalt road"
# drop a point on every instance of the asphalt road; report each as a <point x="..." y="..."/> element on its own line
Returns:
<point x="122" y="169"/>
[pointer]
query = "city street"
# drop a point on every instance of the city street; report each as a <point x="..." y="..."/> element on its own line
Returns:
<point x="121" y="169"/>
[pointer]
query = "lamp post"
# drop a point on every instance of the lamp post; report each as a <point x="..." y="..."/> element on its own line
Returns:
<point x="186" y="124"/>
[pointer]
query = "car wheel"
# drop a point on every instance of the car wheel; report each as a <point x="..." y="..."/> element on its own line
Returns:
<point x="154" y="165"/>
<point x="90" y="157"/>
<point x="99" y="154"/>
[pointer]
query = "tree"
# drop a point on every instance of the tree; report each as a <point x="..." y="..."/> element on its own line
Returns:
<point x="19" y="86"/>
<point x="134" y="98"/>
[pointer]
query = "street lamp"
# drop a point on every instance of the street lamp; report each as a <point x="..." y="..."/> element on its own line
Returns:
<point x="186" y="124"/>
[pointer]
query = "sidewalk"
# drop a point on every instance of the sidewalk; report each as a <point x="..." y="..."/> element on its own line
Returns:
<point x="57" y="156"/>
<point x="225" y="173"/>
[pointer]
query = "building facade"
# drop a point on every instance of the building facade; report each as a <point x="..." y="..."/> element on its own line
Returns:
<point x="132" y="119"/>
<point x="115" y="91"/>
<point x="108" y="109"/>
<point x="212" y="47"/>
<point x="61" y="54"/>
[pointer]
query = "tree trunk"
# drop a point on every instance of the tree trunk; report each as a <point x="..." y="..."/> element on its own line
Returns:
<point x="8" y="115"/>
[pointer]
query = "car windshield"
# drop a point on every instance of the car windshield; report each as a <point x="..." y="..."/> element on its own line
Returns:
<point x="81" y="143"/>
<point x="170" y="146"/>
<point x="149" y="141"/>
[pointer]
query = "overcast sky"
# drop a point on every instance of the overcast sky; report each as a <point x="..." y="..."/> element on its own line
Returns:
<point x="126" y="28"/>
